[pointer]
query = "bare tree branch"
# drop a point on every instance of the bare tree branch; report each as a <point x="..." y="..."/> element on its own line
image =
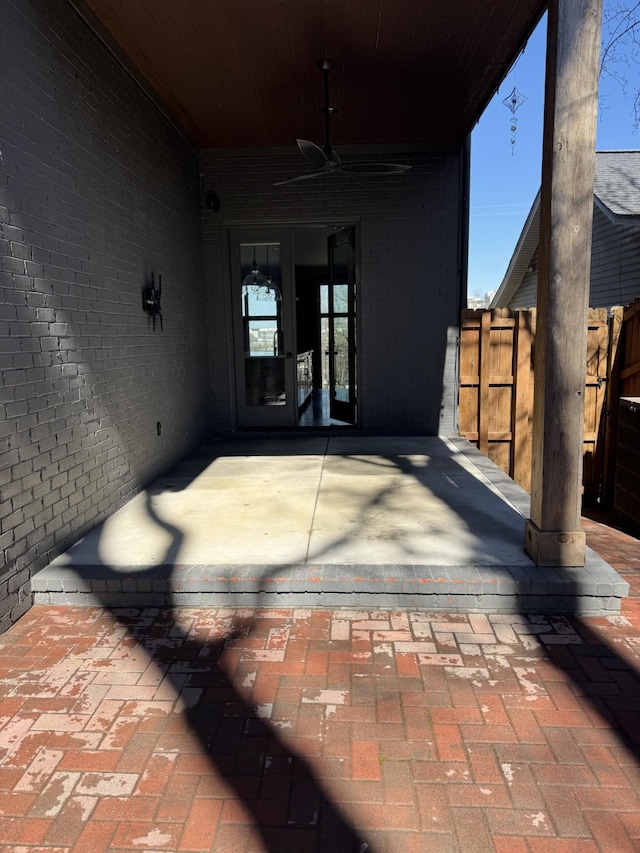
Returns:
<point x="621" y="47"/>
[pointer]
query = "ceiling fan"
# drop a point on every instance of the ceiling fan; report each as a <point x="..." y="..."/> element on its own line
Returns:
<point x="326" y="159"/>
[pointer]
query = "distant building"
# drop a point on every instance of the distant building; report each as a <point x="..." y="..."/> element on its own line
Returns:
<point x="476" y="303"/>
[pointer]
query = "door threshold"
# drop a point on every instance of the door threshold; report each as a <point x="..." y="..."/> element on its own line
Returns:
<point x="298" y="432"/>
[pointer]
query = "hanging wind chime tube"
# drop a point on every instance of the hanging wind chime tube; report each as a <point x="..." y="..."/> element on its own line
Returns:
<point x="512" y="102"/>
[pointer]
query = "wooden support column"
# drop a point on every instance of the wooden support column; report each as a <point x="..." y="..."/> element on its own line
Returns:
<point x="553" y="534"/>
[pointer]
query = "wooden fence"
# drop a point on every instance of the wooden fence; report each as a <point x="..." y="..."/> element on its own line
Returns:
<point x="496" y="388"/>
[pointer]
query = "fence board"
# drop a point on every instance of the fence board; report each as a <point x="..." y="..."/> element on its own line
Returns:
<point x="520" y="461"/>
<point x="469" y="374"/>
<point x="610" y="412"/>
<point x="485" y="365"/>
<point x="595" y="390"/>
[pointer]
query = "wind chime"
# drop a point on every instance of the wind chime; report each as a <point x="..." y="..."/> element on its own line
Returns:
<point x="512" y="102"/>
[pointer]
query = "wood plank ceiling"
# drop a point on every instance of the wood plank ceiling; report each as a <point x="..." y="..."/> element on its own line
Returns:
<point x="243" y="73"/>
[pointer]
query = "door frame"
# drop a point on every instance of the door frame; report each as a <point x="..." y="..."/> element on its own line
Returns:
<point x="266" y="229"/>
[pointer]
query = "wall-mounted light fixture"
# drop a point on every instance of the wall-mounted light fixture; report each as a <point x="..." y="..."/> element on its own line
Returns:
<point x="151" y="301"/>
<point x="212" y="201"/>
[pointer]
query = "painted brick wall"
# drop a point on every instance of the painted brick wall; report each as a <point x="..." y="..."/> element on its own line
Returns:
<point x="96" y="191"/>
<point x="409" y="260"/>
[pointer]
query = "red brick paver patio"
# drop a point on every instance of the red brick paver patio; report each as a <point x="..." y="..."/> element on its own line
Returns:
<point x="305" y="730"/>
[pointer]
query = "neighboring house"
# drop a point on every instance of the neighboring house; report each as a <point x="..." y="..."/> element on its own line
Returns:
<point x="615" y="252"/>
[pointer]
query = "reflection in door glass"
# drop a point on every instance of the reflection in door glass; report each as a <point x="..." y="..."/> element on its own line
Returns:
<point x="324" y="298"/>
<point x="340" y="298"/>
<point x="262" y="340"/>
<point x="255" y="305"/>
<point x="324" y="344"/>
<point x="341" y="357"/>
<point x="261" y="295"/>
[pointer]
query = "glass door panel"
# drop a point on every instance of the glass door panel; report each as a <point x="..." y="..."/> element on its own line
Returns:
<point x="341" y="378"/>
<point x="342" y="326"/>
<point x="261" y="293"/>
<point x="261" y="272"/>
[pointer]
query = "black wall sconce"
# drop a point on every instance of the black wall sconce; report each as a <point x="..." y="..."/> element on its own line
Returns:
<point x="212" y="201"/>
<point x="151" y="301"/>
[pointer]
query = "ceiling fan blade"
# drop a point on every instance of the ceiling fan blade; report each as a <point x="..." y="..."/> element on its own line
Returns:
<point x="314" y="154"/>
<point x="301" y="178"/>
<point x="375" y="168"/>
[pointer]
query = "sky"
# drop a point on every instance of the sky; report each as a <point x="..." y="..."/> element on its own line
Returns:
<point x="505" y="178"/>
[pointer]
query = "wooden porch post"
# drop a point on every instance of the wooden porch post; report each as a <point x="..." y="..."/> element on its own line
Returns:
<point x="553" y="534"/>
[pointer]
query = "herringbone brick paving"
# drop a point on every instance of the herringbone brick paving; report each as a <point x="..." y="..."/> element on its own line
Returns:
<point x="308" y="730"/>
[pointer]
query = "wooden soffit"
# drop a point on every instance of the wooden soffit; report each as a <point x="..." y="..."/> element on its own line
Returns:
<point x="243" y="73"/>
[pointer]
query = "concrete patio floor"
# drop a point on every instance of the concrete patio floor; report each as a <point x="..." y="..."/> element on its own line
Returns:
<point x="302" y="730"/>
<point x="327" y="521"/>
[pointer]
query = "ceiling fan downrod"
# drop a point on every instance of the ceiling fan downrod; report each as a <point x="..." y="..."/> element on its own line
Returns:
<point x="325" y="65"/>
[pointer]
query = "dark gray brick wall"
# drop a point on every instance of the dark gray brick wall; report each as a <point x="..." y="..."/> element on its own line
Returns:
<point x="96" y="191"/>
<point x="409" y="281"/>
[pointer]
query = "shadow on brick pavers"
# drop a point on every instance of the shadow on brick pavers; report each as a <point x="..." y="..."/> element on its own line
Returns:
<point x="602" y="680"/>
<point x="290" y="811"/>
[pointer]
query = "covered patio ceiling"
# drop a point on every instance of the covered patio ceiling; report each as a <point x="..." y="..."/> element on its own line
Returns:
<point x="243" y="73"/>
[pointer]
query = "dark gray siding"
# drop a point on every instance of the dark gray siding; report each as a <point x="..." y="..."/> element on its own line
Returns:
<point x="615" y="262"/>
<point x="615" y="266"/>
<point x="526" y="294"/>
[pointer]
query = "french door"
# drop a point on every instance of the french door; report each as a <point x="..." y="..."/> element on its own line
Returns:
<point x="271" y="319"/>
